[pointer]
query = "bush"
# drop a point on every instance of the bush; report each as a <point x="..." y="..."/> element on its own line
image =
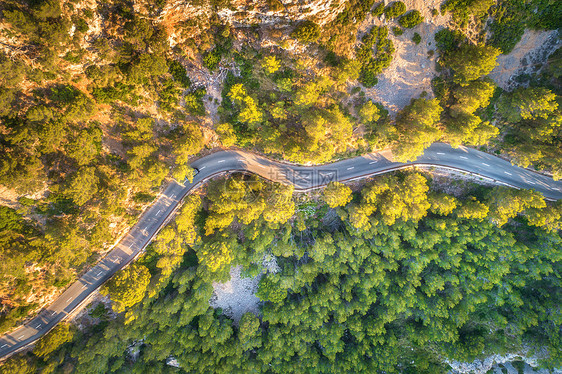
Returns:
<point x="306" y="32"/>
<point x="411" y="19"/>
<point x="416" y="38"/>
<point x="212" y="59"/>
<point x="397" y="31"/>
<point x="194" y="102"/>
<point x="447" y="40"/>
<point x="275" y="5"/>
<point x="374" y="64"/>
<point x="395" y="9"/>
<point x="178" y="72"/>
<point x="378" y="10"/>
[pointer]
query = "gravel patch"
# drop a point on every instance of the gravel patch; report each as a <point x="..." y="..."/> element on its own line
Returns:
<point x="237" y="296"/>
<point x="412" y="67"/>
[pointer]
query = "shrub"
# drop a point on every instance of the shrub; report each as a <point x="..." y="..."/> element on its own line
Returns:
<point x="397" y="31"/>
<point x="378" y="10"/>
<point x="447" y="40"/>
<point x="270" y="64"/>
<point x="411" y="19"/>
<point x="178" y="72"/>
<point x="275" y="5"/>
<point x="212" y="59"/>
<point x="374" y="64"/>
<point x="81" y="25"/>
<point x="395" y="9"/>
<point x="306" y="32"/>
<point x="416" y="38"/>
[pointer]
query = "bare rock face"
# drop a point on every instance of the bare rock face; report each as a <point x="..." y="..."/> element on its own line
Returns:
<point x="489" y="363"/>
<point x="241" y="13"/>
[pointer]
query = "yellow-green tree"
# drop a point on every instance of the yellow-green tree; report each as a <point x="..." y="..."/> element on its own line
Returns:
<point x="527" y="104"/>
<point x="337" y="194"/>
<point x="506" y="203"/>
<point x="418" y="125"/>
<point x="183" y="172"/>
<point x="215" y="255"/>
<point x="470" y="62"/>
<point x="127" y="287"/>
<point x="270" y="64"/>
<point x="249" y="110"/>
<point x="49" y="343"/>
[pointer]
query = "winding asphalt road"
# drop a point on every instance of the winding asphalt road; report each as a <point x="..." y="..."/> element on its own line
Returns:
<point x="302" y="177"/>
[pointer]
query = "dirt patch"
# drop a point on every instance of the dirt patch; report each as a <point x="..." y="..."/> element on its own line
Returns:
<point x="237" y="296"/>
<point x="527" y="57"/>
<point x="412" y="67"/>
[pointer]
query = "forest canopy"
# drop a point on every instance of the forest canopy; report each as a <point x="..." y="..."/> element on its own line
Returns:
<point x="397" y="277"/>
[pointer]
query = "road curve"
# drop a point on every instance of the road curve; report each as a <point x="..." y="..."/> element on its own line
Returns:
<point x="302" y="177"/>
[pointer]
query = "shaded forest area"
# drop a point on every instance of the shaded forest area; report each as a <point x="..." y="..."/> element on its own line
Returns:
<point x="397" y="278"/>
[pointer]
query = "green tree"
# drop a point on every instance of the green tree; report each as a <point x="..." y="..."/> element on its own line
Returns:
<point x="18" y="364"/>
<point x="86" y="146"/>
<point x="250" y="332"/>
<point x="216" y="255"/>
<point x="249" y="110"/>
<point x="527" y="104"/>
<point x="411" y="19"/>
<point x="470" y="62"/>
<point x="476" y="94"/>
<point x="506" y="203"/>
<point x="337" y="194"/>
<point x="269" y="290"/>
<point x="441" y="203"/>
<point x="306" y="32"/>
<point x="369" y="112"/>
<point x="83" y="185"/>
<point x="395" y="9"/>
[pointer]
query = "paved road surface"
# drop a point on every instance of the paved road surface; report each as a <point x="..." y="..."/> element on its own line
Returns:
<point x="303" y="178"/>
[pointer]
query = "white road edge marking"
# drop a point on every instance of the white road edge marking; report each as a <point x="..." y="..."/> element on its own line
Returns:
<point x="202" y="167"/>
